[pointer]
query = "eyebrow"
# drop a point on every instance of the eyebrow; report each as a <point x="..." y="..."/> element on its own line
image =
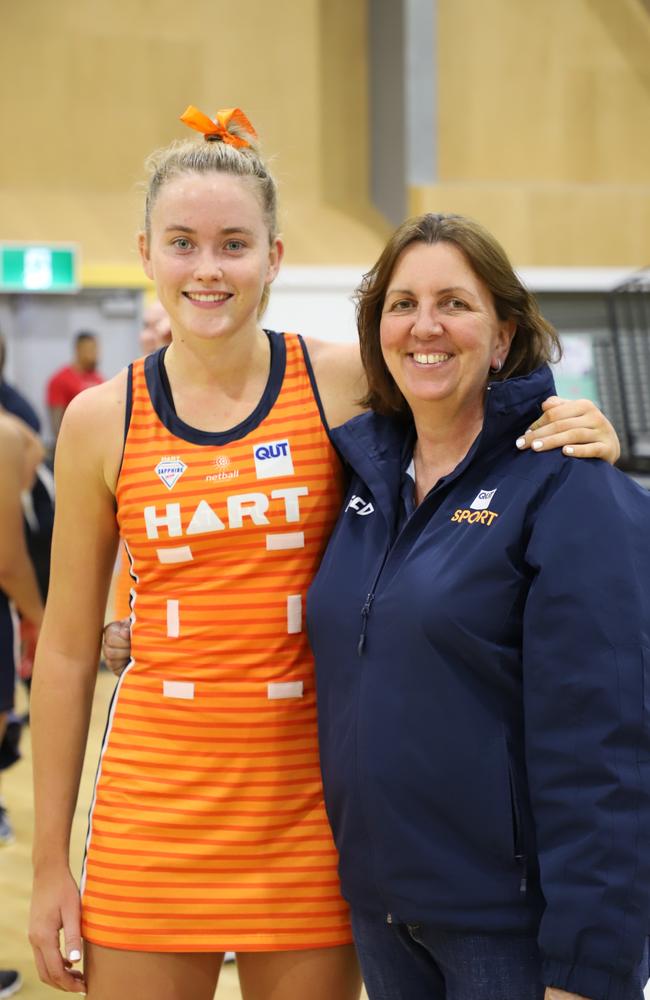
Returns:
<point x="227" y="231"/>
<point x="441" y="291"/>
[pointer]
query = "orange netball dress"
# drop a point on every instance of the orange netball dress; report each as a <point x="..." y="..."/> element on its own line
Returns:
<point x="208" y="830"/>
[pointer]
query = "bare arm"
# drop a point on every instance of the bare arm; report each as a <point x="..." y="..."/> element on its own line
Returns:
<point x="84" y="546"/>
<point x="17" y="578"/>
<point x="340" y="378"/>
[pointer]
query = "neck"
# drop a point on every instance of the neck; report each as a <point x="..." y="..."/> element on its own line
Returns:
<point x="223" y="362"/>
<point x="217" y="383"/>
<point x="444" y="437"/>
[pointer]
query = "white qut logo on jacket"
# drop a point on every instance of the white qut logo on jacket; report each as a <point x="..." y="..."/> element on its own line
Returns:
<point x="482" y="500"/>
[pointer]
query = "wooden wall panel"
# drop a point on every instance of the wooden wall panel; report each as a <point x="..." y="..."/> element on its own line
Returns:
<point x="89" y="89"/>
<point x="543" y="126"/>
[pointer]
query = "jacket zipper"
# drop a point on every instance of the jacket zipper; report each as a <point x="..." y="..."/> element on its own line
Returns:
<point x="367" y="606"/>
<point x="365" y="611"/>
<point x="520" y="857"/>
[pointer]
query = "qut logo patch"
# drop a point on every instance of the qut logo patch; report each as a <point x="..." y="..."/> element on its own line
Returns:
<point x="273" y="459"/>
<point x="482" y="500"/>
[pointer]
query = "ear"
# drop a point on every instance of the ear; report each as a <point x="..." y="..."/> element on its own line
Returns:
<point x="507" y="330"/>
<point x="276" y="253"/>
<point x="143" y="249"/>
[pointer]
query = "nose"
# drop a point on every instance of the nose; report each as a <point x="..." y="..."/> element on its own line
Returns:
<point x="426" y="323"/>
<point x="208" y="266"/>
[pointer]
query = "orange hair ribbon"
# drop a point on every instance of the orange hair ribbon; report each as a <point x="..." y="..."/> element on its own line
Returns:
<point x="219" y="127"/>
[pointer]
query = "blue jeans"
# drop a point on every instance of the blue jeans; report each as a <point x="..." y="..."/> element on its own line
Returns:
<point x="413" y="962"/>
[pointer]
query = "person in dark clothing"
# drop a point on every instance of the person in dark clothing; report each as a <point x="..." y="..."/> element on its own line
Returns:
<point x="481" y="628"/>
<point x="12" y="400"/>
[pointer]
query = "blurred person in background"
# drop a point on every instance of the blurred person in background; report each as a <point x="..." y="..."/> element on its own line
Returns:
<point x="156" y="329"/>
<point x="69" y="381"/>
<point x="10" y="982"/>
<point x="19" y="592"/>
<point x="11" y="399"/>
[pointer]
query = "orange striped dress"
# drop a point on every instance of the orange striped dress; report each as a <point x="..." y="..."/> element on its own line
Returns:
<point x="208" y="829"/>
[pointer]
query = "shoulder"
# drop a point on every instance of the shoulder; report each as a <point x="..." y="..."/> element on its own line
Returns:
<point x="99" y="401"/>
<point x="93" y="424"/>
<point x="590" y="501"/>
<point x="339" y="377"/>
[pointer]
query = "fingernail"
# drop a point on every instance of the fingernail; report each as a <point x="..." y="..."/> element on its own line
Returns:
<point x="74" y="955"/>
<point x="568" y="449"/>
<point x="521" y="442"/>
<point x="538" y="445"/>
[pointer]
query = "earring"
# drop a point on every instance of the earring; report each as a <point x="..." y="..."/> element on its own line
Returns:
<point x="496" y="368"/>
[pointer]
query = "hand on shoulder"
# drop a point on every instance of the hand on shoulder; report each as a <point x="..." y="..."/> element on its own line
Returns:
<point x="340" y="378"/>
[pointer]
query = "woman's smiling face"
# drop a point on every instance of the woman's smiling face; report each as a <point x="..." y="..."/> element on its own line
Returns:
<point x="439" y="329"/>
<point x="209" y="253"/>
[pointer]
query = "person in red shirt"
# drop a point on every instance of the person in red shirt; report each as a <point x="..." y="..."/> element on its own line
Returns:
<point x="72" y="379"/>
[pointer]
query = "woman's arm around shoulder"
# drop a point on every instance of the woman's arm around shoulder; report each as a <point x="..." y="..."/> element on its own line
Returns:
<point x="84" y="544"/>
<point x="340" y="378"/>
<point x="577" y="426"/>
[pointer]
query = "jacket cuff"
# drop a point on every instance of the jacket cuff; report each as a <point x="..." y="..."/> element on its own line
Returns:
<point x="587" y="982"/>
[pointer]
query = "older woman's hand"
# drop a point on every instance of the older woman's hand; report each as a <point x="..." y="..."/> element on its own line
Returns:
<point x="575" y="425"/>
<point x="116" y="646"/>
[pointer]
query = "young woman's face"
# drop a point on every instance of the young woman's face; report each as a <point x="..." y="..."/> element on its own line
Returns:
<point x="209" y="254"/>
<point x="439" y="329"/>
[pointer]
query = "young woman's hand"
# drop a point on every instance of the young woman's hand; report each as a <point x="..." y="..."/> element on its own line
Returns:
<point x="55" y="908"/>
<point x="552" y="994"/>
<point x="116" y="646"/>
<point x="576" y="426"/>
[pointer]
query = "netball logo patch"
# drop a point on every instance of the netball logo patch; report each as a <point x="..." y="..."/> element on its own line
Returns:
<point x="169" y="470"/>
<point x="273" y="459"/>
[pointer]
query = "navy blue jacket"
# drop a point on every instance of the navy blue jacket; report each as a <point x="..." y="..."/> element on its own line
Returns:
<point x="483" y="692"/>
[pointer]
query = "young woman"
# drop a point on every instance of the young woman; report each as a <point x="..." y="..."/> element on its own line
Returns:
<point x="208" y="831"/>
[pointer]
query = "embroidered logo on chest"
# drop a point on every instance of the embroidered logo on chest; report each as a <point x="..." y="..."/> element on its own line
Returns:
<point x="482" y="500"/>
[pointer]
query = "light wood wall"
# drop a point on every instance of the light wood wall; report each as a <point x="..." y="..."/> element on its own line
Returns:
<point x="89" y="88"/>
<point x="544" y="127"/>
<point x="543" y="120"/>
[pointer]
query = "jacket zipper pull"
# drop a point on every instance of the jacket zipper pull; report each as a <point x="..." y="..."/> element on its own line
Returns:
<point x="365" y="611"/>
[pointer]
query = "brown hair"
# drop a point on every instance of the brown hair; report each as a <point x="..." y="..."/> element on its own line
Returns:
<point x="535" y="341"/>
<point x="212" y="155"/>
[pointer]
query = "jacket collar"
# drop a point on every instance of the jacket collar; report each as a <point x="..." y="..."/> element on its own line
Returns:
<point x="378" y="448"/>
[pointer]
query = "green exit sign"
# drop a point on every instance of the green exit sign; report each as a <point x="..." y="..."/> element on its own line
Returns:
<point x="38" y="268"/>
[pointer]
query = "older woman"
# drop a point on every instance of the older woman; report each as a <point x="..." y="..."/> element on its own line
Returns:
<point x="481" y="629"/>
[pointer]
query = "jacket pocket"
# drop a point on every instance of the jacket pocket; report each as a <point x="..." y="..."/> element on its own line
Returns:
<point x="517" y="836"/>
